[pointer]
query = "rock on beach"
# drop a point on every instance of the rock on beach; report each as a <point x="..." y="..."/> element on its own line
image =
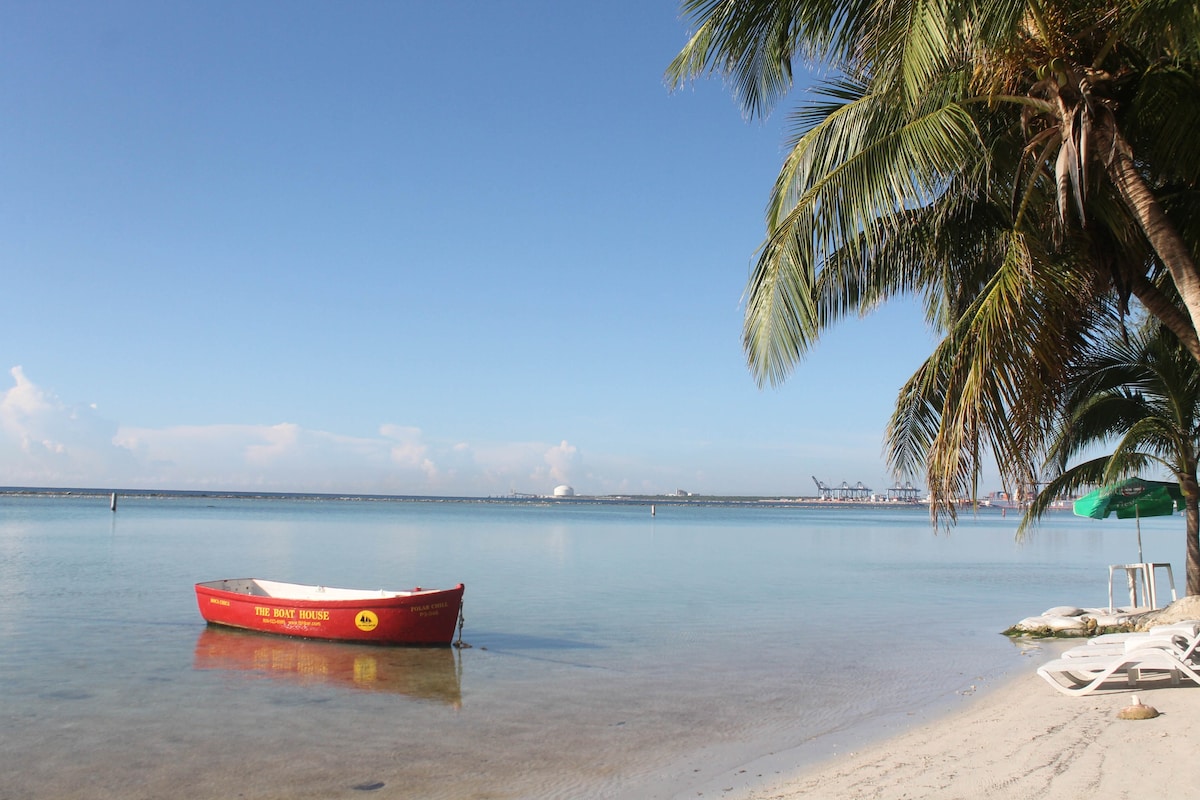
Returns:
<point x="1074" y="621"/>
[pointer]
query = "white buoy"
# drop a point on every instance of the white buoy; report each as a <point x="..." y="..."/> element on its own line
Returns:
<point x="652" y="510"/>
<point x="113" y="502"/>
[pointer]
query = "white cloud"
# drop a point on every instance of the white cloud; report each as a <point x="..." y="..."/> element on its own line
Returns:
<point x="406" y="445"/>
<point x="524" y="466"/>
<point x="46" y="442"/>
<point x="282" y="441"/>
<point x="563" y="459"/>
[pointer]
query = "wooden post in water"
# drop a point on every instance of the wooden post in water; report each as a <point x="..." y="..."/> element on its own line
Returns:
<point x="112" y="505"/>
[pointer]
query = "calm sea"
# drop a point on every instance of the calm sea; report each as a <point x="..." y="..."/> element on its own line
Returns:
<point x="614" y="654"/>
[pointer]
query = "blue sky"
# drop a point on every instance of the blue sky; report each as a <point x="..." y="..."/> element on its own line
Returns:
<point x="454" y="248"/>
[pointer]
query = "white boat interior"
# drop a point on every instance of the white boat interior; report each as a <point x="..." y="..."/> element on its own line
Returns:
<point x="297" y="591"/>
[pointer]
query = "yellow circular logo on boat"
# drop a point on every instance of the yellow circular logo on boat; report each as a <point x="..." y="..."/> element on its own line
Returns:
<point x="366" y="620"/>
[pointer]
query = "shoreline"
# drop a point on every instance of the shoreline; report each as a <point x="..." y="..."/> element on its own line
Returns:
<point x="759" y="767"/>
<point x="1018" y="738"/>
<point x="516" y="500"/>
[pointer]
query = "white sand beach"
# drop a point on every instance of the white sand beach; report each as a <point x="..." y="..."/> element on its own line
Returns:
<point x="1022" y="739"/>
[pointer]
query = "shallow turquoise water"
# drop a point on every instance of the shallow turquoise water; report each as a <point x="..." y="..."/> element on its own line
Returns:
<point x="615" y="654"/>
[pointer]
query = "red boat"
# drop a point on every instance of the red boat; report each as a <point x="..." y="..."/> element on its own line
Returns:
<point x="415" y="617"/>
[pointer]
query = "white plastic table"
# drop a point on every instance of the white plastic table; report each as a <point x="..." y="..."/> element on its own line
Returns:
<point x="1148" y="572"/>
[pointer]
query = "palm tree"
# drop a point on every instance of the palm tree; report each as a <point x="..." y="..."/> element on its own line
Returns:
<point x="1022" y="167"/>
<point x="1140" y="393"/>
<point x="1096" y="64"/>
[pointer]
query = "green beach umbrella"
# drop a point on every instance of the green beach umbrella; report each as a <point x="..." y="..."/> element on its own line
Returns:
<point x="1132" y="497"/>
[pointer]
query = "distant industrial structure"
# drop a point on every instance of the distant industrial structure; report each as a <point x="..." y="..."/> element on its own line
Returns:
<point x="904" y="494"/>
<point x="843" y="492"/>
<point x="860" y="493"/>
<point x="559" y="491"/>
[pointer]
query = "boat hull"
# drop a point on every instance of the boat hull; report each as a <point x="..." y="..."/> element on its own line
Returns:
<point x="417" y="617"/>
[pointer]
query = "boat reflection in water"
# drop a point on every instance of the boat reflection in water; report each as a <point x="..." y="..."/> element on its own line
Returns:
<point x="424" y="673"/>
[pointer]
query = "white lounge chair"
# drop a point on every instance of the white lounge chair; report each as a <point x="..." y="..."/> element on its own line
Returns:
<point x="1188" y="628"/>
<point x="1181" y="646"/>
<point x="1085" y="674"/>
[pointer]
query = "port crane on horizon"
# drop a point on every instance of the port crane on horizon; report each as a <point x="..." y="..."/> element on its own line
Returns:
<point x="906" y="493"/>
<point x="844" y="492"/>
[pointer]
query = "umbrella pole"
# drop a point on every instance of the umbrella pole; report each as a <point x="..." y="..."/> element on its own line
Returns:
<point x="1137" y="518"/>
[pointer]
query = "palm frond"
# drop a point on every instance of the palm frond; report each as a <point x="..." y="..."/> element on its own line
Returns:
<point x="848" y="183"/>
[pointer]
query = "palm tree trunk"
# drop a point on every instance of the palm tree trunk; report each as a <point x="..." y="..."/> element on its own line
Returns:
<point x="1160" y="232"/>
<point x="1193" y="549"/>
<point x="1191" y="512"/>
<point x="1167" y="313"/>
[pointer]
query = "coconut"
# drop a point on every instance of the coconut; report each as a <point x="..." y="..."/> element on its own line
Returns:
<point x="1135" y="710"/>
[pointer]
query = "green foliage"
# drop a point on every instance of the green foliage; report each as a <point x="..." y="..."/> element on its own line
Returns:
<point x="989" y="158"/>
